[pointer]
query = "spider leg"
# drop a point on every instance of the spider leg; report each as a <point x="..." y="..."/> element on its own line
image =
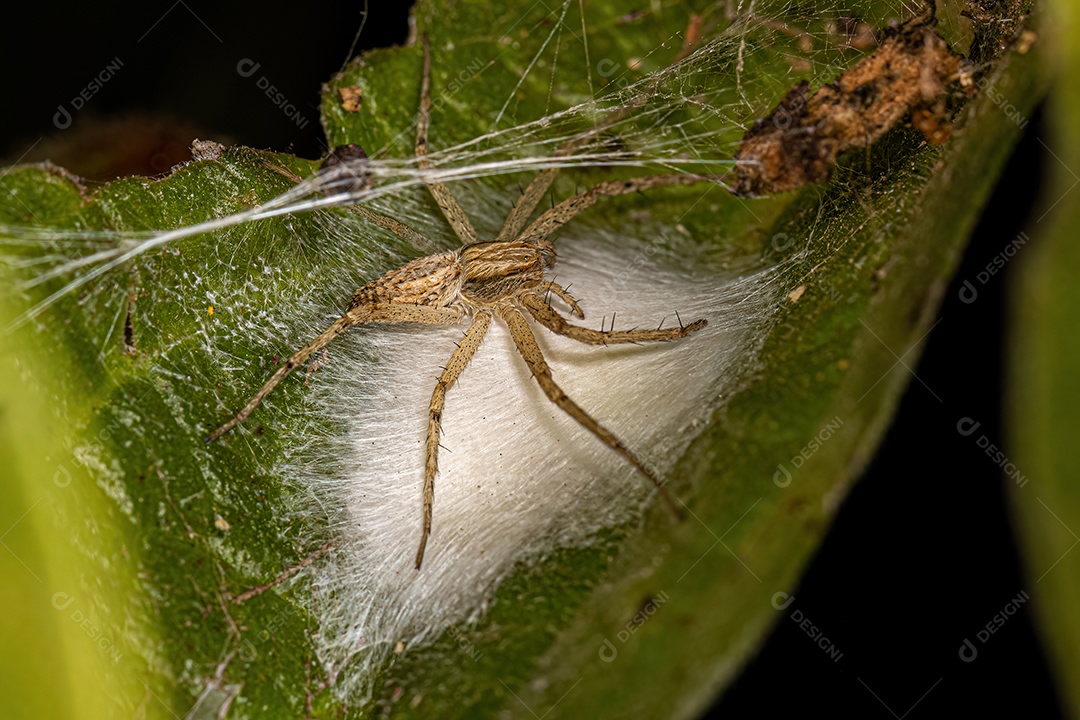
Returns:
<point x="321" y="340"/>
<point x="556" y="323"/>
<point x="534" y="358"/>
<point x="526" y="203"/>
<point x="568" y="209"/>
<point x="397" y="227"/>
<point x="357" y="315"/>
<point x="457" y="218"/>
<point x="534" y="193"/>
<point x="565" y="296"/>
<point x="460" y="358"/>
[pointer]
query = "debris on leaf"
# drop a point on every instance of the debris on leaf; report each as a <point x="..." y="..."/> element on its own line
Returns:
<point x="352" y="97"/>
<point x="206" y="149"/>
<point x="799" y="141"/>
<point x="345" y="169"/>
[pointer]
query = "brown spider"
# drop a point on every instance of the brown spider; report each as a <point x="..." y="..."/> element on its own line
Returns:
<point x="500" y="278"/>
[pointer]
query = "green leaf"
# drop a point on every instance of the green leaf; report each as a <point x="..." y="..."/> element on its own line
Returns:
<point x="157" y="534"/>
<point x="1043" y="385"/>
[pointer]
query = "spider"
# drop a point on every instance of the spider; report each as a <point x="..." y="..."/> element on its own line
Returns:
<point x="503" y="278"/>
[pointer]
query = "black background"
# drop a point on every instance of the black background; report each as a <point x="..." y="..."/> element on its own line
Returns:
<point x="921" y="554"/>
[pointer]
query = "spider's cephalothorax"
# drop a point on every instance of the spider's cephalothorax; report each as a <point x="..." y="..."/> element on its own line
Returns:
<point x="494" y="271"/>
<point x="502" y="278"/>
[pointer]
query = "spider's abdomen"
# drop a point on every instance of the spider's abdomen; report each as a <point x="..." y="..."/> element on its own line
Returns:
<point x="433" y="280"/>
<point x="497" y="270"/>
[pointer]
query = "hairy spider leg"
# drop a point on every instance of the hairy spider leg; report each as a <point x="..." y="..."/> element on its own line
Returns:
<point x="534" y="358"/>
<point x="379" y="313"/>
<point x="457" y="218"/>
<point x="561" y="292"/>
<point x="556" y="323"/>
<point x="458" y="360"/>
<point x="553" y="219"/>
<point x="538" y="187"/>
<point x="546" y="224"/>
